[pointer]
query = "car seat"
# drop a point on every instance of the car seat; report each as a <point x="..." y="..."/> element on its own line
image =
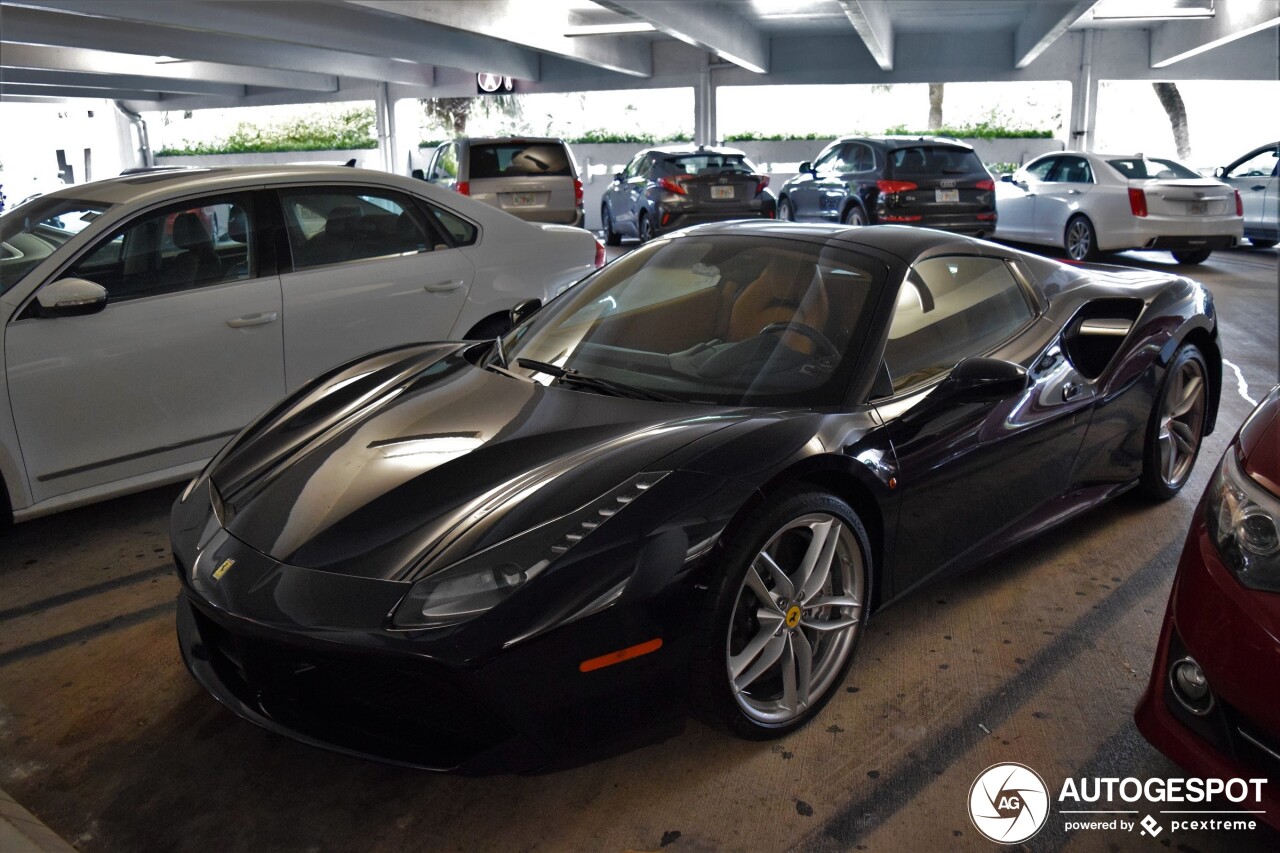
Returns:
<point x="788" y="290"/>
<point x="198" y="263"/>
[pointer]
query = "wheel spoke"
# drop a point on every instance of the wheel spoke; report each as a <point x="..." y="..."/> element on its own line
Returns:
<point x="837" y="624"/>
<point x="790" y="697"/>
<point x="804" y="668"/>
<point x="781" y="583"/>
<point x="769" y="623"/>
<point x="1168" y="456"/>
<point x="832" y="601"/>
<point x="1182" y="436"/>
<point x="816" y="566"/>
<point x="1190" y="397"/>
<point x="756" y="584"/>
<point x="769" y="655"/>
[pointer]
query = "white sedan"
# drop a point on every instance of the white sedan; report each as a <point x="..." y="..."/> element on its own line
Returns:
<point x="1092" y="203"/>
<point x="146" y="319"/>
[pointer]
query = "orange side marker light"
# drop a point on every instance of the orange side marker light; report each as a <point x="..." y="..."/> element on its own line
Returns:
<point x="621" y="655"/>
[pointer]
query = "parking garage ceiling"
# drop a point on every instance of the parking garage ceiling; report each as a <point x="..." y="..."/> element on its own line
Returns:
<point x="217" y="53"/>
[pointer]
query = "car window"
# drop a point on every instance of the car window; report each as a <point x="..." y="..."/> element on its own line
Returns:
<point x="178" y="247"/>
<point x="34" y="231"/>
<point x="636" y="167"/>
<point x="827" y="160"/>
<point x="934" y="160"/>
<point x="707" y="164"/>
<point x="1140" y="168"/>
<point x="1040" y="171"/>
<point x="1261" y="165"/>
<point x="445" y="168"/>
<point x="948" y="309"/>
<point x="859" y="158"/>
<point x="342" y="224"/>
<point x="460" y="230"/>
<point x="1072" y="170"/>
<point x="506" y="159"/>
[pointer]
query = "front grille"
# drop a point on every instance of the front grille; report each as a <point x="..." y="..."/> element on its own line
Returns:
<point x="415" y="712"/>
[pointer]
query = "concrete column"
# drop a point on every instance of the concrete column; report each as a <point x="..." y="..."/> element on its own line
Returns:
<point x="384" y="112"/>
<point x="704" y="106"/>
<point x="1084" y="97"/>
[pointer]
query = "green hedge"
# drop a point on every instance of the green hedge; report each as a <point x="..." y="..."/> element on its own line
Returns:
<point x="752" y="136"/>
<point x="979" y="130"/>
<point x="343" y="132"/>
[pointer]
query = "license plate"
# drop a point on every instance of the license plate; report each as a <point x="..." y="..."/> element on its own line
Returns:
<point x="1197" y="207"/>
<point x="946" y="195"/>
<point x="523" y="199"/>
<point x="718" y="192"/>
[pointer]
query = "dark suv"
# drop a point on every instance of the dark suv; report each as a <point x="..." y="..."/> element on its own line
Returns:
<point x="663" y="189"/>
<point x="919" y="180"/>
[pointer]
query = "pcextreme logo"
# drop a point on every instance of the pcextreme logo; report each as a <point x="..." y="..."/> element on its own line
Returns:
<point x="1008" y="803"/>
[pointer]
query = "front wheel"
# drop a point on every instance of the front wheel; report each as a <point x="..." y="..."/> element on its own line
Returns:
<point x="786" y="212"/>
<point x="855" y="217"/>
<point x="611" y="237"/>
<point x="1080" y="241"/>
<point x="1176" y="427"/>
<point x="1199" y="256"/>
<point x="785" y="612"/>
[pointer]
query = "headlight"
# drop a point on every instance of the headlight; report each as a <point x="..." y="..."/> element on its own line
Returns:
<point x="1244" y="520"/>
<point x="479" y="583"/>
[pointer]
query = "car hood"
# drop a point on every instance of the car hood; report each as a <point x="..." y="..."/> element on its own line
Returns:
<point x="409" y="459"/>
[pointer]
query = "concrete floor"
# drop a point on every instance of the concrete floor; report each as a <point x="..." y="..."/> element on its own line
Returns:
<point x="1036" y="658"/>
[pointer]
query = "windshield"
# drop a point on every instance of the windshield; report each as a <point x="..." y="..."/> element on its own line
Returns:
<point x="1138" y="168"/>
<point x="933" y="160"/>
<point x="33" y="231"/>
<point x="708" y="164"/>
<point x="717" y="319"/>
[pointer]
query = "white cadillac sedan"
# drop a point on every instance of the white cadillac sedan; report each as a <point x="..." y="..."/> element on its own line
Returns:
<point x="146" y="319"/>
<point x="1093" y="203"/>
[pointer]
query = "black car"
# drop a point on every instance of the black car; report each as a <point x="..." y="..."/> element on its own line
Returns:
<point x="691" y="477"/>
<point x="937" y="183"/>
<point x="664" y="189"/>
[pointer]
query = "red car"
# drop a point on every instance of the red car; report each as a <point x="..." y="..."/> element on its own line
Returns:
<point x="1213" y="704"/>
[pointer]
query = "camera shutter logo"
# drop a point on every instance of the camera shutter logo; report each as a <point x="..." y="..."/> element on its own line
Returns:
<point x="1008" y="803"/>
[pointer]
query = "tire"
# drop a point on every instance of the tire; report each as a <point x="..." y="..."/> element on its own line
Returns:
<point x="734" y="684"/>
<point x="855" y="217"/>
<point x="489" y="328"/>
<point x="1262" y="244"/>
<point x="1199" y="256"/>
<point x="1176" y="428"/>
<point x="646" y="229"/>
<point x="1079" y="240"/>
<point x="611" y="237"/>
<point x="786" y="213"/>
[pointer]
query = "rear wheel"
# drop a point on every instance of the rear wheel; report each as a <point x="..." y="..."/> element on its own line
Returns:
<point x="1079" y="240"/>
<point x="1176" y="428"/>
<point x="1199" y="256"/>
<point x="855" y="216"/>
<point x="611" y="237"/>
<point x="784" y="615"/>
<point x="646" y="229"/>
<point x="786" y="212"/>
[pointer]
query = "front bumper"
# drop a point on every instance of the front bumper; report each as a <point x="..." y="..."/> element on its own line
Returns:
<point x="1231" y="632"/>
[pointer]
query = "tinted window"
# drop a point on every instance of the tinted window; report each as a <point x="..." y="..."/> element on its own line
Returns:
<point x="179" y="247"/>
<point x="462" y="231"/>
<point x="496" y="160"/>
<point x="708" y="164"/>
<point x="1261" y="165"/>
<point x="934" y="160"/>
<point x="1040" y="171"/>
<point x="1151" y="167"/>
<point x="859" y="158"/>
<point x="950" y="308"/>
<point x="338" y="225"/>
<point x="32" y="232"/>
<point x="1072" y="170"/>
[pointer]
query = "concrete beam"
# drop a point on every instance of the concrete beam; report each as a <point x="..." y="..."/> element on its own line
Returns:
<point x="1044" y="24"/>
<point x="63" y="29"/>
<point x="82" y="80"/>
<point x="1174" y="41"/>
<point x="870" y="18"/>
<point x="8" y="90"/>
<point x="727" y="35"/>
<point x="13" y="55"/>
<point x="539" y="25"/>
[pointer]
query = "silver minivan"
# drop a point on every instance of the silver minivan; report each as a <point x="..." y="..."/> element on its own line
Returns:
<point x="534" y="178"/>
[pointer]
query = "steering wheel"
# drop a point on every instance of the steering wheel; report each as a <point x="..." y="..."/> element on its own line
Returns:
<point x="826" y="351"/>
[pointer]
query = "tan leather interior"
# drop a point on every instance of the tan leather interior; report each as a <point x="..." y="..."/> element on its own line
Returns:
<point x="788" y="289"/>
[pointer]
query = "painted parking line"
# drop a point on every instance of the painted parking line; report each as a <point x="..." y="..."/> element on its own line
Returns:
<point x="1242" y="387"/>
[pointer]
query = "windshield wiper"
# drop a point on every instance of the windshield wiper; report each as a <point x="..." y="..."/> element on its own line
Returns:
<point x="608" y="386"/>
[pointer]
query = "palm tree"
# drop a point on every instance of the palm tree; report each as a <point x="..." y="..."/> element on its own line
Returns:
<point x="935" y="106"/>
<point x="454" y="112"/>
<point x="1171" y="100"/>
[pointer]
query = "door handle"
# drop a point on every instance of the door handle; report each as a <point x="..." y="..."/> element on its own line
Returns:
<point x="445" y="286"/>
<point x="1073" y="192"/>
<point x="1070" y="390"/>
<point x="254" y="319"/>
<point x="1259" y="187"/>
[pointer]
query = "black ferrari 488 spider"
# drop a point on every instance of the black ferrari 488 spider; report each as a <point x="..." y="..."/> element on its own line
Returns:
<point x="685" y="483"/>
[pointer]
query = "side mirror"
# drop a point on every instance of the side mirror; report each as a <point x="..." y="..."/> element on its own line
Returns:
<point x="806" y="166"/>
<point x="521" y="310"/>
<point x="1007" y="177"/>
<point x="618" y="177"/>
<point x="1219" y="172"/>
<point x="71" y="297"/>
<point x="418" y="174"/>
<point x="979" y="379"/>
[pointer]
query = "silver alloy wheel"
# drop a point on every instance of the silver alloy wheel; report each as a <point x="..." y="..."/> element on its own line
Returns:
<point x="1079" y="239"/>
<point x="796" y="619"/>
<point x="785" y="212"/>
<point x="855" y="217"/>
<point x="1181" y="422"/>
